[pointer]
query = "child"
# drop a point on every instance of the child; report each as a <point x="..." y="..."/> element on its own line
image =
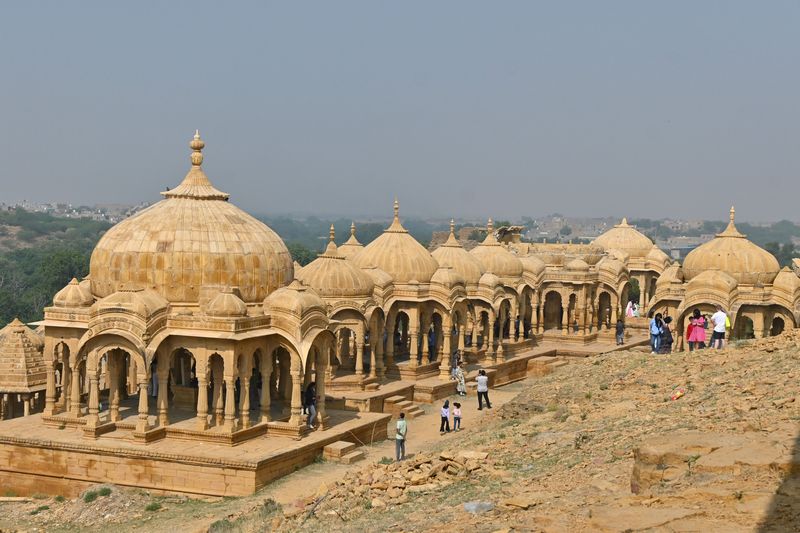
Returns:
<point x="620" y="332"/>
<point x="456" y="416"/>
<point x="445" y="425"/>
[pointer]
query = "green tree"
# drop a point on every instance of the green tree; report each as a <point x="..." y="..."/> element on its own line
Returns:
<point x="300" y="253"/>
<point x="565" y="230"/>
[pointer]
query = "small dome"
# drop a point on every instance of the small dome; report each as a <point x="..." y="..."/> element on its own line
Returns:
<point x="656" y="255"/>
<point x="351" y="247"/>
<point x="577" y="265"/>
<point x="74" y="294"/>
<point x="194" y="238"/>
<point x="398" y="254"/>
<point x="489" y="280"/>
<point x="226" y="304"/>
<point x="447" y="277"/>
<point x="331" y="275"/>
<point x="787" y="281"/>
<point x="625" y="238"/>
<point x="379" y="277"/>
<point x="732" y="253"/>
<point x="452" y="254"/>
<point x="495" y="258"/>
<point x="143" y="302"/>
<point x="672" y="274"/>
<point x="711" y="281"/>
<point x="21" y="359"/>
<point x="611" y="265"/>
<point x="296" y="299"/>
<point x="532" y="265"/>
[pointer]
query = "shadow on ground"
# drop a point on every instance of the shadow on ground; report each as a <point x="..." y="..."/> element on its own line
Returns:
<point x="784" y="510"/>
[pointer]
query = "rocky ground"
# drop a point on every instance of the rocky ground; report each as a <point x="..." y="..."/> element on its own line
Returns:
<point x="627" y="441"/>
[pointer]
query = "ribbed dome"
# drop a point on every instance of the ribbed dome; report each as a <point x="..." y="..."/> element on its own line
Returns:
<point x="143" y="302"/>
<point x="495" y="258"/>
<point x="657" y="255"/>
<point x="447" y="277"/>
<point x="452" y="254"/>
<point x="711" y="280"/>
<point x="490" y="280"/>
<point x="331" y="275"/>
<point x="732" y="253"/>
<point x="672" y="274"/>
<point x="612" y="265"/>
<point x="295" y="298"/>
<point x="351" y="247"/>
<point x="22" y="367"/>
<point x="73" y="295"/>
<point x="577" y="265"/>
<point x="532" y="265"/>
<point x="191" y="239"/>
<point x="398" y="254"/>
<point x="226" y="304"/>
<point x="625" y="238"/>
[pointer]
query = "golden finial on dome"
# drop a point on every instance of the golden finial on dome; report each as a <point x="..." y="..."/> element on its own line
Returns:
<point x="332" y="233"/>
<point x="352" y="229"/>
<point x="396" y="209"/>
<point x="733" y="213"/>
<point x="197" y="146"/>
<point x="452" y="227"/>
<point x="490" y="225"/>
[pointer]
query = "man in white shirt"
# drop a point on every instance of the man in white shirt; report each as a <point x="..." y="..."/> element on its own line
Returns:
<point x="720" y="321"/>
<point x="400" y="438"/>
<point x="483" y="389"/>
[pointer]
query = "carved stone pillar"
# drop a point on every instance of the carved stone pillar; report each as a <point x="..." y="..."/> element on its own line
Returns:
<point x="50" y="393"/>
<point x="320" y="379"/>
<point x="202" y="402"/>
<point x="93" y="419"/>
<point x="230" y="404"/>
<point x="390" y="325"/>
<point x="360" y="357"/>
<point x="296" y="418"/>
<point x="142" y="422"/>
<point x="444" y="363"/>
<point x="163" y="399"/>
<point x="244" y="398"/>
<point x="75" y="392"/>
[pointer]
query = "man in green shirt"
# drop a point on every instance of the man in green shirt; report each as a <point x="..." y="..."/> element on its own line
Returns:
<point x="400" y="437"/>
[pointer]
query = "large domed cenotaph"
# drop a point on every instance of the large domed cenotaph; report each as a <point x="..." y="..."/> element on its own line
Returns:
<point x="179" y="363"/>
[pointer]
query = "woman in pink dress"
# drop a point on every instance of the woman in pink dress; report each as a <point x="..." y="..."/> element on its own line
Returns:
<point x="697" y="335"/>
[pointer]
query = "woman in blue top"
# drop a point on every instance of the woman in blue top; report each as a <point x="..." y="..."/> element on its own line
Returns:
<point x="655" y="332"/>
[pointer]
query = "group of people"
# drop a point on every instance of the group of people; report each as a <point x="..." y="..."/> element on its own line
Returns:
<point x="661" y="335"/>
<point x="482" y="381"/>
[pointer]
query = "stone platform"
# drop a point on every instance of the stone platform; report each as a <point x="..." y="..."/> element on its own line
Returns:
<point x="35" y="458"/>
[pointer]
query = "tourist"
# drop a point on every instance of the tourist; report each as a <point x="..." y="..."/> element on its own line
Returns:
<point x="696" y="332"/>
<point x="455" y="360"/>
<point x="461" y="381"/>
<point x="629" y="309"/>
<point x="620" y="332"/>
<point x="445" y="425"/>
<point x="655" y="332"/>
<point x="483" y="389"/>
<point x="665" y="339"/>
<point x="456" y="416"/>
<point x="636" y="310"/>
<point x="720" y="321"/>
<point x="400" y="437"/>
<point x="311" y="403"/>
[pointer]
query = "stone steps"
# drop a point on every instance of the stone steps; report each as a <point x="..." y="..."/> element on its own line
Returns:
<point x="343" y="452"/>
<point x="395" y="405"/>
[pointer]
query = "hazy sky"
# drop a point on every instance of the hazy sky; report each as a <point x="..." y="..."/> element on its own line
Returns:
<point x="458" y="108"/>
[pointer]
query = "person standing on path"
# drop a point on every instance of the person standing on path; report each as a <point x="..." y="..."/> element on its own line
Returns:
<point x="445" y="425"/>
<point x="720" y="321"/>
<point x="620" y="330"/>
<point x="461" y="383"/>
<point x="655" y="332"/>
<point x="483" y="389"/>
<point x="456" y="416"/>
<point x="697" y="331"/>
<point x="400" y="437"/>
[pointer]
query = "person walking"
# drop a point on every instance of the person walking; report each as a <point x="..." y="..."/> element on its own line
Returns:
<point x="696" y="332"/>
<point x="655" y="332"/>
<point x="445" y="425"/>
<point x="620" y="332"/>
<point x="461" y="381"/>
<point x="720" y="321"/>
<point x="401" y="430"/>
<point x="456" y="416"/>
<point x="311" y="403"/>
<point x="483" y="389"/>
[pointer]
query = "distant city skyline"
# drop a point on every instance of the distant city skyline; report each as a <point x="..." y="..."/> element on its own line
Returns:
<point x="462" y="109"/>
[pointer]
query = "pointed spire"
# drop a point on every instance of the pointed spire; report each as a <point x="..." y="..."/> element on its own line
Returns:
<point x="396" y="226"/>
<point x="490" y="226"/>
<point x="452" y="227"/>
<point x="196" y="184"/>
<point x="731" y="230"/>
<point x="353" y="229"/>
<point x="452" y="241"/>
<point x="197" y="146"/>
<point x="396" y="210"/>
<point x="332" y="234"/>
